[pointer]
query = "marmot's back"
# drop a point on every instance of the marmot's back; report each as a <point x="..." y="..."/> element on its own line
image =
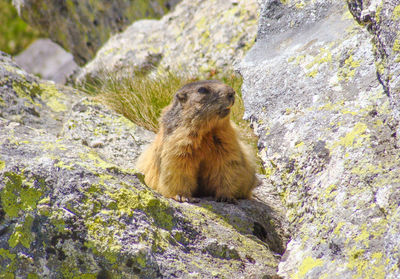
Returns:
<point x="197" y="151"/>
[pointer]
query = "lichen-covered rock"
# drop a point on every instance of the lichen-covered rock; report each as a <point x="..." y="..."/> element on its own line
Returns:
<point x="197" y="37"/>
<point x="72" y="206"/>
<point x="82" y="27"/>
<point x="382" y="20"/>
<point x="328" y="137"/>
<point x="29" y="101"/>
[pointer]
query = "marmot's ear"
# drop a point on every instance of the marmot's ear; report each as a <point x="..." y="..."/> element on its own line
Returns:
<point x="181" y="96"/>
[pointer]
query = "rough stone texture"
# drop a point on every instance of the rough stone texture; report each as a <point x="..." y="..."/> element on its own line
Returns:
<point x="197" y="37"/>
<point x="47" y="60"/>
<point x="327" y="131"/>
<point x="82" y="27"/>
<point x="72" y="206"/>
<point x="382" y="20"/>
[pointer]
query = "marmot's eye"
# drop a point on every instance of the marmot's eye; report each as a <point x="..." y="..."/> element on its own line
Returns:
<point x="203" y="90"/>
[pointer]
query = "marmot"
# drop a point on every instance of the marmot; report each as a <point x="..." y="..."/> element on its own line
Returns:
<point x="197" y="152"/>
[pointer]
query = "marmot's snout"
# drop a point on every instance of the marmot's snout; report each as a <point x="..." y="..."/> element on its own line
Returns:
<point x="231" y="98"/>
<point x="228" y="98"/>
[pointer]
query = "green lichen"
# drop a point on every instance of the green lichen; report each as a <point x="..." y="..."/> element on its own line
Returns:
<point x="57" y="220"/>
<point x="129" y="199"/>
<point x="22" y="233"/>
<point x="7" y="269"/>
<point x="86" y="276"/>
<point x="22" y="91"/>
<point x="18" y="195"/>
<point x="378" y="13"/>
<point x="125" y="201"/>
<point x="94" y="158"/>
<point x="53" y="145"/>
<point x="62" y="165"/>
<point x="5" y="254"/>
<point x="2" y="165"/>
<point x="48" y="92"/>
<point x="101" y="237"/>
<point x="70" y="270"/>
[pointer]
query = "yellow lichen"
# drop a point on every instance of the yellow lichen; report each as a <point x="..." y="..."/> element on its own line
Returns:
<point x="364" y="267"/>
<point x="313" y="73"/>
<point x="307" y="265"/>
<point x="396" y="12"/>
<point x="347" y="71"/>
<point x="53" y="97"/>
<point x="338" y="228"/>
<point x="396" y="45"/>
<point x="353" y="138"/>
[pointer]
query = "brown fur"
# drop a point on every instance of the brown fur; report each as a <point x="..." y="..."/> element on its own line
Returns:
<point x="197" y="151"/>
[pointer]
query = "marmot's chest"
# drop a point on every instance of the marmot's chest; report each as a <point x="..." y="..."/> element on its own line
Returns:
<point x="215" y="145"/>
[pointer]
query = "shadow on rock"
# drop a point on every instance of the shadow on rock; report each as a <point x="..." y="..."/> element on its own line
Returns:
<point x="255" y="219"/>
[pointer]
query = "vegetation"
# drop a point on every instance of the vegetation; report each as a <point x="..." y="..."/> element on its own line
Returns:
<point x="15" y="34"/>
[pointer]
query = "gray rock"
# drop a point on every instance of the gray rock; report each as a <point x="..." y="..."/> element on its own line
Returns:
<point x="197" y="38"/>
<point x="72" y="205"/>
<point x="382" y="20"/>
<point x="327" y="137"/>
<point x="47" y="60"/>
<point x="82" y="27"/>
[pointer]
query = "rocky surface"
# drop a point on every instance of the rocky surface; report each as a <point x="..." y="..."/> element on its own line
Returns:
<point x="197" y="37"/>
<point x="382" y="20"/>
<point x="72" y="206"/>
<point x="322" y="94"/>
<point x="82" y="27"/>
<point x="48" y="60"/>
<point x="321" y="89"/>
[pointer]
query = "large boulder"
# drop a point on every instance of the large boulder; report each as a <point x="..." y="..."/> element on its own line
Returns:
<point x="82" y="27"/>
<point x="196" y="38"/>
<point x="327" y="125"/>
<point x="72" y="205"/>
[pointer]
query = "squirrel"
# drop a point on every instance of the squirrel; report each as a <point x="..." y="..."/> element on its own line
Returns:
<point x="197" y="151"/>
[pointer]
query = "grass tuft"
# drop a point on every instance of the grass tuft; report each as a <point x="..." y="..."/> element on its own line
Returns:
<point x="140" y="98"/>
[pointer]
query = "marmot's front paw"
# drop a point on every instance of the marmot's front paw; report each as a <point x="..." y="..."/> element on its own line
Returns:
<point x="180" y="198"/>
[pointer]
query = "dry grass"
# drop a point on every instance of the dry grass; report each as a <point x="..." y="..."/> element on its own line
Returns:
<point x="139" y="98"/>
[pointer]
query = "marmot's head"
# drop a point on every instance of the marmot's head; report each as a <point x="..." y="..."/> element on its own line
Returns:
<point x="205" y="99"/>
